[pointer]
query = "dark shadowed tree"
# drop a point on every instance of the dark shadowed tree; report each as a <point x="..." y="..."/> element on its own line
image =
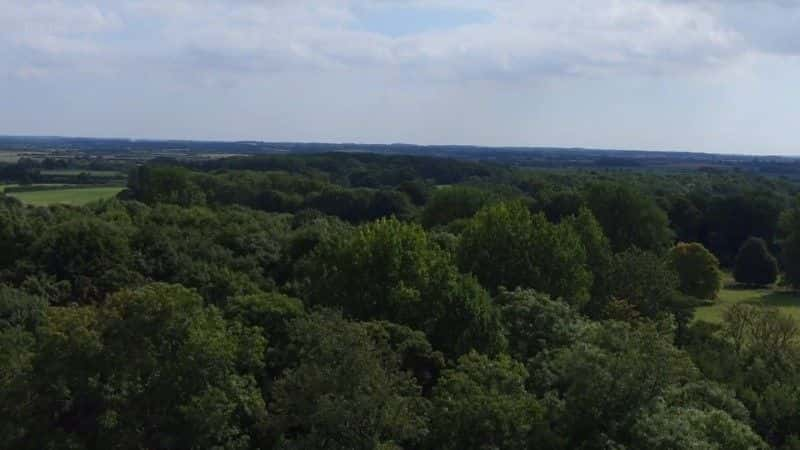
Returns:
<point x="483" y="403"/>
<point x="629" y="218"/>
<point x="643" y="280"/>
<point x="90" y="253"/>
<point x="790" y="246"/>
<point x="346" y="391"/>
<point x="452" y="203"/>
<point x="755" y="264"/>
<point x="151" y="368"/>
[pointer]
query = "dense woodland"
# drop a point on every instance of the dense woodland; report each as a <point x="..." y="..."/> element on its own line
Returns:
<point x="360" y="301"/>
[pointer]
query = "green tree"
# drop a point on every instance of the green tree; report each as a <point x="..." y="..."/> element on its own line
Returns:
<point x="535" y="323"/>
<point x="667" y="428"/>
<point x="152" y="368"/>
<point x="183" y="375"/>
<point x="482" y="403"/>
<point x="608" y="377"/>
<point x="411" y="350"/>
<point x="346" y="391"/>
<point x="755" y="264"/>
<point x="272" y="313"/>
<point x="685" y="217"/>
<point x="643" y="280"/>
<point x="453" y="203"/>
<point x="505" y="245"/>
<point x="790" y="246"/>
<point x="93" y="255"/>
<point x="598" y="249"/>
<point x="765" y="332"/>
<point x="17" y="232"/>
<point x="154" y="184"/>
<point x="20" y="315"/>
<point x="389" y="270"/>
<point x="629" y="218"/>
<point x="732" y="218"/>
<point x="697" y="269"/>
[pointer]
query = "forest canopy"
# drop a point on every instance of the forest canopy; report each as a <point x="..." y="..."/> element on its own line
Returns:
<point x="359" y="301"/>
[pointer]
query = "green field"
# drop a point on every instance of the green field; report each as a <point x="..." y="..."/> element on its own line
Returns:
<point x="786" y="301"/>
<point x="12" y="156"/>
<point x="69" y="196"/>
<point x="3" y="187"/>
<point x="76" y="172"/>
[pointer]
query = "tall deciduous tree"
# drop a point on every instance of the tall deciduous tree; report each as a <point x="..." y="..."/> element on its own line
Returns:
<point x="643" y="280"/>
<point x="92" y="254"/>
<point x="346" y="392"/>
<point x="697" y="269"/>
<point x="152" y="368"/>
<point x="505" y="245"/>
<point x="483" y="403"/>
<point x="389" y="270"/>
<point x="534" y="323"/>
<point x="629" y="219"/>
<point x="607" y="377"/>
<point x="598" y="249"/>
<point x="790" y="246"/>
<point x="755" y="264"/>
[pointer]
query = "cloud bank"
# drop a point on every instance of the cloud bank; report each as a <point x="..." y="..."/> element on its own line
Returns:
<point x="515" y="38"/>
<point x="472" y="54"/>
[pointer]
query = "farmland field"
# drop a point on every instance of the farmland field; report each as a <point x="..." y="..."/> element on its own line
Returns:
<point x="3" y="187"/>
<point x="70" y="196"/>
<point x="76" y="172"/>
<point x="786" y="301"/>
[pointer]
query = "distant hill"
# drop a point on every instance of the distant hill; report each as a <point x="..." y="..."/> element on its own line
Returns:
<point x="517" y="156"/>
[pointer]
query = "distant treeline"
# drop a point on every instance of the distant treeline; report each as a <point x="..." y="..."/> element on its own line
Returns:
<point x="543" y="157"/>
<point x="719" y="209"/>
<point x="29" y="170"/>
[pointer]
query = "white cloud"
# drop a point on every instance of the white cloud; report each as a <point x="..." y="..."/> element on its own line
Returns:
<point x="624" y="73"/>
<point x="524" y="38"/>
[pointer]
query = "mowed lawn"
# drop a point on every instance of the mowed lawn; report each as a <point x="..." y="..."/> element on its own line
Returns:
<point x="69" y="196"/>
<point x="785" y="300"/>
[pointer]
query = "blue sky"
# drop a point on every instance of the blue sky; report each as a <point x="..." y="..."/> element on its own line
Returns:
<point x="704" y="75"/>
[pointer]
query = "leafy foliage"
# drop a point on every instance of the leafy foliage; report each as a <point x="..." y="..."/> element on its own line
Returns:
<point x="505" y="245"/>
<point x="346" y="391"/>
<point x="755" y="264"/>
<point x="483" y="403"/>
<point x="629" y="219"/>
<point x="388" y="270"/>
<point x="644" y="280"/>
<point x="697" y="269"/>
<point x="361" y="301"/>
<point x="153" y="367"/>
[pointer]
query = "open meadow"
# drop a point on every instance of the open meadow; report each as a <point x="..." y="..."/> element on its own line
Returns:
<point x="69" y="195"/>
<point x="785" y="300"/>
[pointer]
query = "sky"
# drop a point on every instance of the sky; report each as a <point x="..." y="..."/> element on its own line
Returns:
<point x="698" y="75"/>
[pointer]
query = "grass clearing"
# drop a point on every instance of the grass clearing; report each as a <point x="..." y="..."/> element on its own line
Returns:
<point x="731" y="294"/>
<point x="68" y="196"/>
<point x="3" y="187"/>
